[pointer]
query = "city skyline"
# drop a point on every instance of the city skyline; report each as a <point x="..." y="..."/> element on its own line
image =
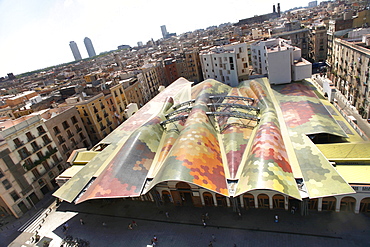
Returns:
<point x="49" y="26"/>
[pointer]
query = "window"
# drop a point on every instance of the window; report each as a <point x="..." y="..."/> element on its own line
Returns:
<point x="6" y="184"/>
<point x="55" y="158"/>
<point x="29" y="136"/>
<point x="65" y="125"/>
<point x="74" y="119"/>
<point x="41" y="182"/>
<point x="41" y="130"/>
<point x="23" y="153"/>
<point x="56" y="130"/>
<point x="51" y="175"/>
<point x="60" y="168"/>
<point x="46" y="139"/>
<point x="1" y="174"/>
<point x="40" y="155"/>
<point x="17" y="142"/>
<point x="14" y="195"/>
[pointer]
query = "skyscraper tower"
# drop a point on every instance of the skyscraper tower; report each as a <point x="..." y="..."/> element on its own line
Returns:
<point x="75" y="51"/>
<point x="164" y="31"/>
<point x="89" y="47"/>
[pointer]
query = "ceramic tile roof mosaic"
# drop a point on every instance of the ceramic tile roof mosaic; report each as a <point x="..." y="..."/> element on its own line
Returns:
<point x="223" y="139"/>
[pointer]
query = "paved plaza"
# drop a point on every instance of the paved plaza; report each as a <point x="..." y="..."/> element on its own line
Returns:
<point x="183" y="227"/>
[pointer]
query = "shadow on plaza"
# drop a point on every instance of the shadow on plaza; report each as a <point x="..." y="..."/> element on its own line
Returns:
<point x="319" y="224"/>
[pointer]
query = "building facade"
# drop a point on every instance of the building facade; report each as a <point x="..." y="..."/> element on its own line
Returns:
<point x="151" y="77"/>
<point x="320" y="43"/>
<point x="228" y="64"/>
<point x="301" y="38"/>
<point x="281" y="61"/>
<point x="350" y="63"/>
<point x="66" y="129"/>
<point x="95" y="114"/>
<point x="30" y="161"/>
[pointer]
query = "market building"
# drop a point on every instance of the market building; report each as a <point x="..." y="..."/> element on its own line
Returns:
<point x="256" y="145"/>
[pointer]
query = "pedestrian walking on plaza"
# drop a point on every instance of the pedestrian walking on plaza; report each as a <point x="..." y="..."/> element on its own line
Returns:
<point x="65" y="227"/>
<point x="204" y="224"/>
<point x="207" y="216"/>
<point x="276" y="218"/>
<point x="134" y="223"/>
<point x="104" y="224"/>
<point x="213" y="238"/>
<point x="210" y="244"/>
<point x="82" y="222"/>
<point x="129" y="226"/>
<point x="293" y="210"/>
<point x="167" y="215"/>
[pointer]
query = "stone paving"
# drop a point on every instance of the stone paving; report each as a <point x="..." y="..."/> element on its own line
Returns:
<point x="256" y="227"/>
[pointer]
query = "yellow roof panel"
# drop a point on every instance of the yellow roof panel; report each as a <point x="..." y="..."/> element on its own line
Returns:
<point x="355" y="173"/>
<point x="84" y="157"/>
<point x="344" y="151"/>
<point x="70" y="172"/>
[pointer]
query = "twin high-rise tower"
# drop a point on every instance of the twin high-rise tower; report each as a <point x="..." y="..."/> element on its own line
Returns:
<point x="89" y="47"/>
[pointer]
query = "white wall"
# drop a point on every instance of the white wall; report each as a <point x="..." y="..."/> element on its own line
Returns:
<point x="302" y="70"/>
<point x="279" y="67"/>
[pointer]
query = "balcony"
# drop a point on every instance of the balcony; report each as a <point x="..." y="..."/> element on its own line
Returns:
<point x="61" y="141"/>
<point x="46" y="141"/>
<point x="24" y="155"/>
<point x="105" y="114"/>
<point x="41" y="132"/>
<point x="103" y="128"/>
<point x="78" y="130"/>
<point x="36" y="148"/>
<point x="39" y="161"/>
<point x="70" y="135"/>
<point x="98" y="118"/>
<point x="19" y="144"/>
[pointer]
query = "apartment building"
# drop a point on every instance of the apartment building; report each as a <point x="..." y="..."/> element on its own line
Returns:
<point x="30" y="160"/>
<point x="281" y="61"/>
<point x="300" y="38"/>
<point x="170" y="70"/>
<point x="95" y="114"/>
<point x="227" y="64"/>
<point x="119" y="100"/>
<point x="132" y="90"/>
<point x="350" y="67"/>
<point x="150" y="79"/>
<point x="66" y="129"/>
<point x="193" y="66"/>
<point x="320" y="43"/>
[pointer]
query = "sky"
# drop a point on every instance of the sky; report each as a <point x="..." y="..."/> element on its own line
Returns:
<point x="35" y="34"/>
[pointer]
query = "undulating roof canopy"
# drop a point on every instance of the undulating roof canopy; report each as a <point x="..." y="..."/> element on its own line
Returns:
<point x="223" y="139"/>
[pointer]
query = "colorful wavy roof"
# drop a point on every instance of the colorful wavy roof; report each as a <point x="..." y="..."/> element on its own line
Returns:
<point x="226" y="140"/>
